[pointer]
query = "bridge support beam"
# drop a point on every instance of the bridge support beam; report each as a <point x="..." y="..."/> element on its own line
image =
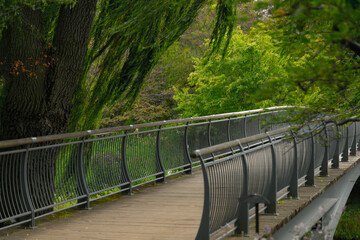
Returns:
<point x="328" y="207"/>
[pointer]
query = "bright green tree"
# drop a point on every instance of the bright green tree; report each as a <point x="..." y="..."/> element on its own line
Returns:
<point x="318" y="44"/>
<point x="321" y="39"/>
<point x="226" y="84"/>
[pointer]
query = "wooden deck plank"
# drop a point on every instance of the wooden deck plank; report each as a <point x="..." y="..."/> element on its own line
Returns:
<point x="166" y="211"/>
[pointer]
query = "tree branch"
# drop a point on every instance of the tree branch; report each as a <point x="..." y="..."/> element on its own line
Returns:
<point x="352" y="45"/>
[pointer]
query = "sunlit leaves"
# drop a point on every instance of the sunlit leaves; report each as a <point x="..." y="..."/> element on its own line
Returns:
<point x="321" y="39"/>
<point x="224" y="85"/>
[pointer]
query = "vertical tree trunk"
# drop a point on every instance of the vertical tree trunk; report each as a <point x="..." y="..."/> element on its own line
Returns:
<point x="40" y="79"/>
<point x="49" y="71"/>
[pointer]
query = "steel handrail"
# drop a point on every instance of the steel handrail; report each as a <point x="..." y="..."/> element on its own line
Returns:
<point x="234" y="143"/>
<point x="88" y="133"/>
<point x="223" y="146"/>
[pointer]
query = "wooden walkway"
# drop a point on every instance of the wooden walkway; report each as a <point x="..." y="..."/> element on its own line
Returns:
<point x="164" y="211"/>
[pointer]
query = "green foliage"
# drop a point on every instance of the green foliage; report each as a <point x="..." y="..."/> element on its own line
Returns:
<point x="155" y="101"/>
<point x="227" y="84"/>
<point x="128" y="39"/>
<point x="320" y="38"/>
<point x="349" y="224"/>
<point x="10" y="8"/>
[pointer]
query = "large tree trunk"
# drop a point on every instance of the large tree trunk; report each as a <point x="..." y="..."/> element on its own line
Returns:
<point x="49" y="71"/>
<point x="40" y="79"/>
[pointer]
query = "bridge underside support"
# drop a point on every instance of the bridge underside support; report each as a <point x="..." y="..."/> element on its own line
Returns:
<point x="328" y="207"/>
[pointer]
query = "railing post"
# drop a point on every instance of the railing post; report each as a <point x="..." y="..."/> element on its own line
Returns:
<point x="204" y="229"/>
<point x="124" y="166"/>
<point x="186" y="150"/>
<point x="229" y="134"/>
<point x="245" y="132"/>
<point x="353" y="146"/>
<point x="25" y="187"/>
<point x="228" y="129"/>
<point x="81" y="179"/>
<point x="242" y="222"/>
<point x="345" y="153"/>
<point x="162" y="174"/>
<point x="293" y="189"/>
<point x="273" y="120"/>
<point x="335" y="162"/>
<point x="272" y="206"/>
<point x="209" y="138"/>
<point x="310" y="176"/>
<point x="324" y="164"/>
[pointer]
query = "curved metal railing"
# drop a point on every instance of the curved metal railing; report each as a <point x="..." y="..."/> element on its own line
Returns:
<point x="43" y="175"/>
<point x="274" y="167"/>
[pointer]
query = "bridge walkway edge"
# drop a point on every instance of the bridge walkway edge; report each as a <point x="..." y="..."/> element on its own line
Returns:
<point x="288" y="209"/>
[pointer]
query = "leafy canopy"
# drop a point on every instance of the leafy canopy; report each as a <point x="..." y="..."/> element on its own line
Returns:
<point x="229" y="84"/>
<point x="321" y="39"/>
<point x="311" y="58"/>
<point x="128" y="39"/>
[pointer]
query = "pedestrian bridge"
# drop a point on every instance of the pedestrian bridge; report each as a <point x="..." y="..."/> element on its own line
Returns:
<point x="212" y="167"/>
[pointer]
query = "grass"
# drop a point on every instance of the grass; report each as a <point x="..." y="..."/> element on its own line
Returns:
<point x="349" y="225"/>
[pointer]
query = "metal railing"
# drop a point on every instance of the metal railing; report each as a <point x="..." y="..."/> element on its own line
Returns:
<point x="273" y="165"/>
<point x="43" y="175"/>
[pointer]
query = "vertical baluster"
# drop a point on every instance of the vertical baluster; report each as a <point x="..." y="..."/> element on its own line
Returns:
<point x="228" y="129"/>
<point x="160" y="164"/>
<point x="82" y="180"/>
<point x="245" y="132"/>
<point x="187" y="158"/>
<point x="229" y="134"/>
<point x="310" y="176"/>
<point x="324" y="164"/>
<point x="293" y="189"/>
<point x="209" y="137"/>
<point x="124" y="165"/>
<point x="272" y="206"/>
<point x="259" y="123"/>
<point x="242" y="222"/>
<point x="353" y="146"/>
<point x="345" y="153"/>
<point x="335" y="162"/>
<point x="25" y="187"/>
<point x="204" y="229"/>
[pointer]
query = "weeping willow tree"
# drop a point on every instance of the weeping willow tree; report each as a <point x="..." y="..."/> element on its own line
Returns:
<point x="61" y="62"/>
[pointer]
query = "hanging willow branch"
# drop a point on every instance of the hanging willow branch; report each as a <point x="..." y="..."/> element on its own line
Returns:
<point x="129" y="37"/>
